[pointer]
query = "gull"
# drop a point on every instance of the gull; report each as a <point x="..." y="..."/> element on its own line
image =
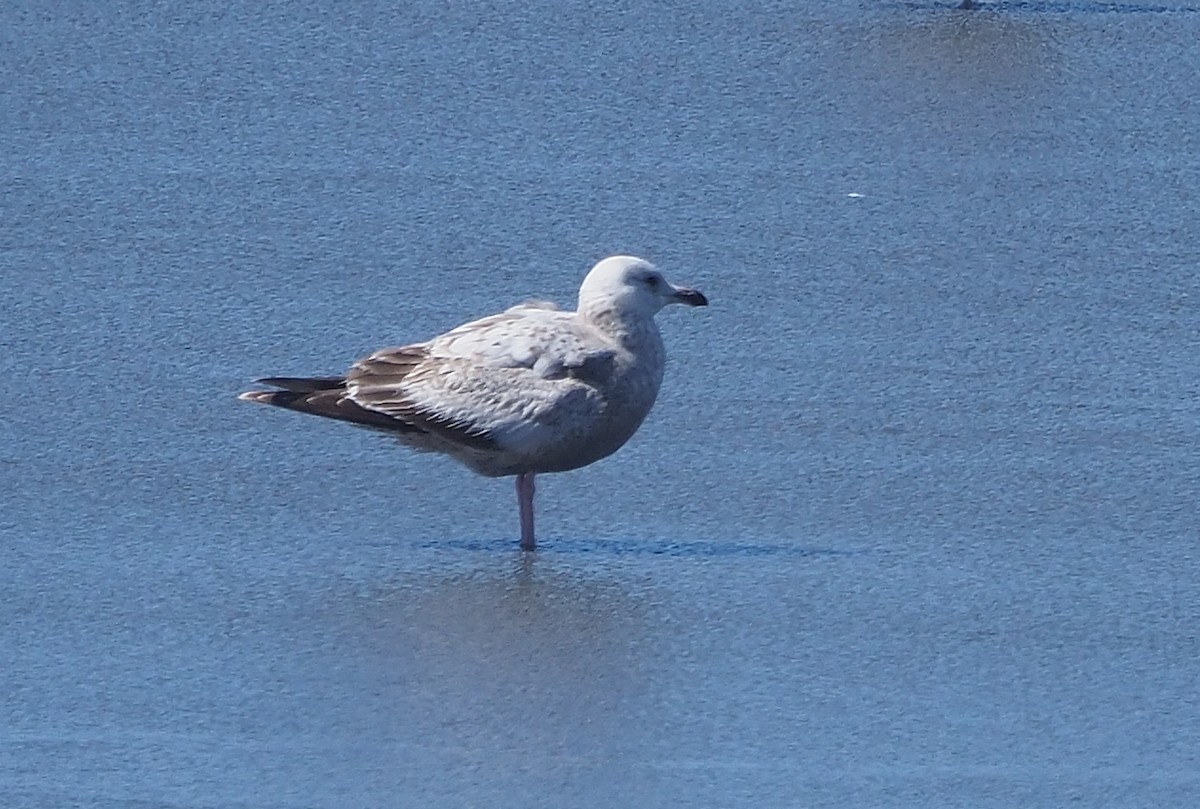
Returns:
<point x="531" y="390"/>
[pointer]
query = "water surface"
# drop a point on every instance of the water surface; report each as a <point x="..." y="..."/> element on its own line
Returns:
<point x="913" y="523"/>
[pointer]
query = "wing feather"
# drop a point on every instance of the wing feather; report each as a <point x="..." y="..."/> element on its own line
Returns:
<point x="509" y="380"/>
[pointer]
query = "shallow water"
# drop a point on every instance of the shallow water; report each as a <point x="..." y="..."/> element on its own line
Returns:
<point x="913" y="523"/>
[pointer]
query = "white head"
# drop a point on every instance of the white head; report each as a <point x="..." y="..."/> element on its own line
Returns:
<point x="627" y="286"/>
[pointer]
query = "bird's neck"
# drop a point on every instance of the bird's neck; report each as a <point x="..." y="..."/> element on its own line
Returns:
<point x="634" y="331"/>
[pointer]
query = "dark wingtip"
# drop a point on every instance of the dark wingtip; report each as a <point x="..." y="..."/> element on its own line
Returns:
<point x="304" y="384"/>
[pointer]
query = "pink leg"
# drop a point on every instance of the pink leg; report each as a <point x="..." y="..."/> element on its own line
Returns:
<point x="525" y="503"/>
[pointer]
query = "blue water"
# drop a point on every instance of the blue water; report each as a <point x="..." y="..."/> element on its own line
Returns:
<point x="913" y="523"/>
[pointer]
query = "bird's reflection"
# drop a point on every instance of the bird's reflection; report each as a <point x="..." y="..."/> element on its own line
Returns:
<point x="501" y="670"/>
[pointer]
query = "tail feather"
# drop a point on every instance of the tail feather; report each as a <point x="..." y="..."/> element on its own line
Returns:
<point x="324" y="397"/>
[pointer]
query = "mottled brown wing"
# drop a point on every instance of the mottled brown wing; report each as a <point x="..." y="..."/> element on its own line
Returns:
<point x="380" y="383"/>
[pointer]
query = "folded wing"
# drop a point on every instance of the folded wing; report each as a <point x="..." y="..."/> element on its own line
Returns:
<point x="514" y="381"/>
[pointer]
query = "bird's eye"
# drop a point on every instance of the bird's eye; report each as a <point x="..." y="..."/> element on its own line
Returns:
<point x="650" y="281"/>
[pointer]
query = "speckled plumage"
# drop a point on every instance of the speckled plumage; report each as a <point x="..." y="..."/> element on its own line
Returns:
<point x="531" y="389"/>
